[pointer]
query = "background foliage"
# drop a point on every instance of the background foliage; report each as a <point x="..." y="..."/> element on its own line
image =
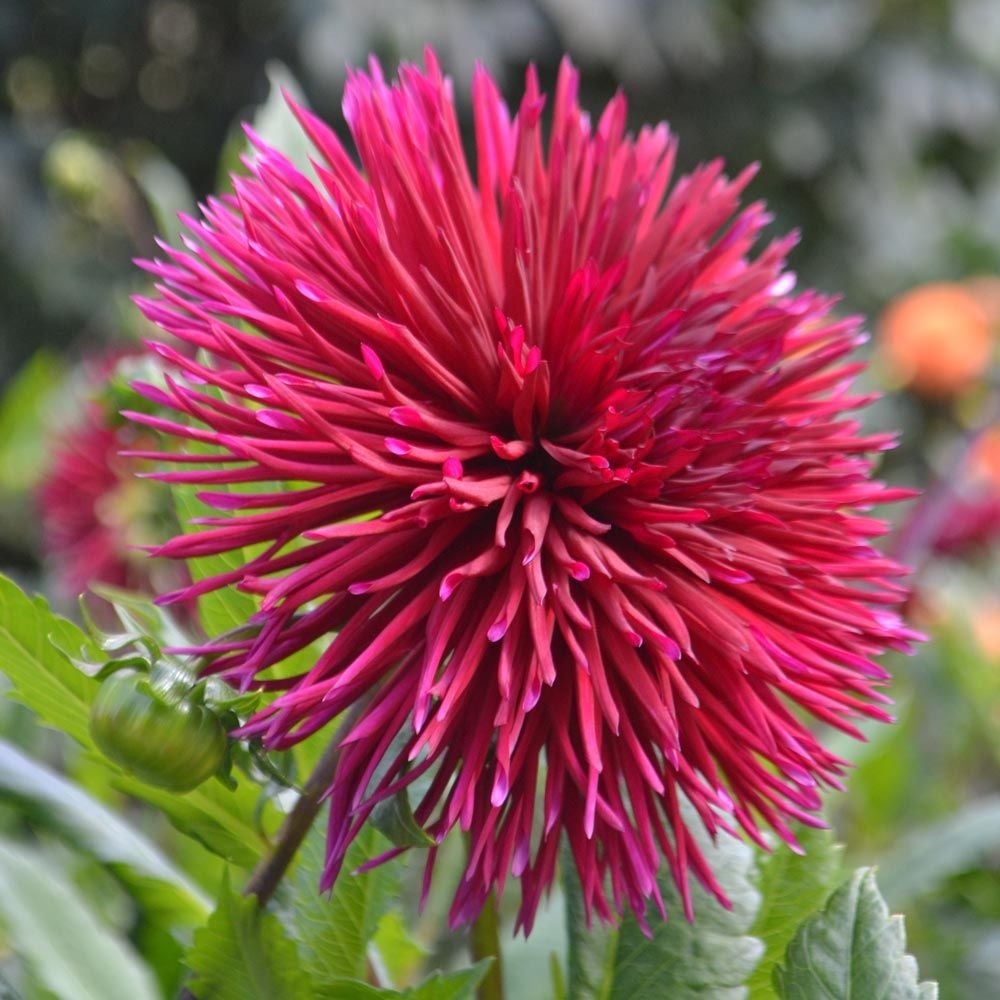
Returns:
<point x="878" y="129"/>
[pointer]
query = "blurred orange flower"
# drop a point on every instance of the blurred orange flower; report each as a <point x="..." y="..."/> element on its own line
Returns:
<point x="986" y="628"/>
<point x="985" y="289"/>
<point x="984" y="461"/>
<point x="937" y="338"/>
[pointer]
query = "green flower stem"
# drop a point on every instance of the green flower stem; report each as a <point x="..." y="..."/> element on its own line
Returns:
<point x="484" y="942"/>
<point x="267" y="876"/>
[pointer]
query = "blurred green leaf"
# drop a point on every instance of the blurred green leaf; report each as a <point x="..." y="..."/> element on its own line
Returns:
<point x="792" y="886"/>
<point x="591" y="950"/>
<point x="334" y="930"/>
<point x="164" y="186"/>
<point x="219" y="818"/>
<point x="244" y="953"/>
<point x="43" y="678"/>
<point x="459" y="985"/>
<point x="274" y="122"/>
<point x="924" y="858"/>
<point x="352" y="989"/>
<point x="61" y="939"/>
<point x="155" y="881"/>
<point x="539" y="958"/>
<point x="852" y="949"/>
<point x="24" y="413"/>
<point x="711" y="957"/>
<point x="219" y="610"/>
<point x="398" y="952"/>
<point x="60" y="694"/>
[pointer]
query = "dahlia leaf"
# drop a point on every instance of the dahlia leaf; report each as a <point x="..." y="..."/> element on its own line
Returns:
<point x="44" y="680"/>
<point x="65" y="807"/>
<point x="353" y="989"/>
<point x="60" y="937"/>
<point x="852" y="948"/>
<point x="244" y="953"/>
<point x="334" y="930"/>
<point x="792" y="887"/>
<point x="711" y="956"/>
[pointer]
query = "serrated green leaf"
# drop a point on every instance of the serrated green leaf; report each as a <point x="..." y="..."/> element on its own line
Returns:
<point x="156" y="882"/>
<point x="61" y="939"/>
<point x="792" y="886"/>
<point x="44" y="680"/>
<point x="852" y="949"/>
<point x="244" y="953"/>
<point x="917" y="863"/>
<point x="709" y="958"/>
<point x="334" y="931"/>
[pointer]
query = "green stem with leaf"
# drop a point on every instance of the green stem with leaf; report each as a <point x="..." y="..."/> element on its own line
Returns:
<point x="267" y="876"/>
<point x="484" y="942"/>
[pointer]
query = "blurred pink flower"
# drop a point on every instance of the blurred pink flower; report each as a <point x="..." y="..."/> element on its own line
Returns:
<point x="82" y="536"/>
<point x="971" y="522"/>
<point x="96" y="515"/>
<point x="561" y="470"/>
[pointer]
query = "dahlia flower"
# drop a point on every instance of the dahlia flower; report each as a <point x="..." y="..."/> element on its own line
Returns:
<point x="558" y="464"/>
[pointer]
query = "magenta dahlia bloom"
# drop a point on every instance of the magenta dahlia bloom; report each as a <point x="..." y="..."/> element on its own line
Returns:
<point x="95" y="514"/>
<point x="558" y="464"/>
<point x="82" y="535"/>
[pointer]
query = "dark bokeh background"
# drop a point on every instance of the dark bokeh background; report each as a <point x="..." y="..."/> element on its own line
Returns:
<point x="877" y="125"/>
